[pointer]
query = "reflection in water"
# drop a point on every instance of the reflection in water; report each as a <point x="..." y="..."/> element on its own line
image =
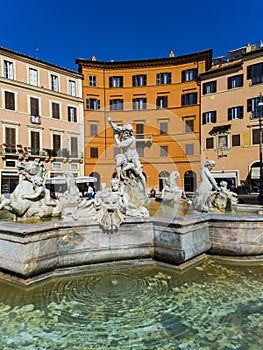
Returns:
<point x="211" y="306"/>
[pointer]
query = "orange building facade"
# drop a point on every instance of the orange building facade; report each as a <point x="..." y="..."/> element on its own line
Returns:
<point x="41" y="114"/>
<point x="161" y="99"/>
<point x="230" y="93"/>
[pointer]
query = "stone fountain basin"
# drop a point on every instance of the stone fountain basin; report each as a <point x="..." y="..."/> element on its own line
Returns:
<point x="32" y="249"/>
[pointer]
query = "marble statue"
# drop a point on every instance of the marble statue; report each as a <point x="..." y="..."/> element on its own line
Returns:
<point x="70" y="199"/>
<point x="128" y="165"/>
<point x="171" y="192"/>
<point x="202" y="199"/>
<point x="111" y="206"/>
<point x="31" y="199"/>
<point x="224" y="199"/>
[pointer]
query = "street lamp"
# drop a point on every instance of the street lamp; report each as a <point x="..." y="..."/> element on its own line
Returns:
<point x="260" y="197"/>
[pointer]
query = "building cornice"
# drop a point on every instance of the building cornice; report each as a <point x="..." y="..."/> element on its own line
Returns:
<point x="225" y="68"/>
<point x="147" y="63"/>
<point x="39" y="63"/>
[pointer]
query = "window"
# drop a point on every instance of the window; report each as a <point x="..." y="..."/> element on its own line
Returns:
<point x="235" y="81"/>
<point x="209" y="88"/>
<point x="116" y="82"/>
<point x="209" y="117"/>
<point x="252" y="106"/>
<point x="73" y="146"/>
<point x="189" y="99"/>
<point x="116" y="104"/>
<point x="189" y="149"/>
<point x="55" y="110"/>
<point x="72" y="88"/>
<point x="209" y="143"/>
<point x="139" y="80"/>
<point x="139" y="131"/>
<point x="255" y="136"/>
<point x="93" y="129"/>
<point x="10" y="138"/>
<point x="163" y="128"/>
<point x="139" y="103"/>
<point x="54" y="83"/>
<point x="33" y="77"/>
<point x="189" y="125"/>
<point x="235" y="140"/>
<point x="35" y="142"/>
<point x="72" y="114"/>
<point x="255" y="73"/>
<point x="8" y="70"/>
<point x="235" y="113"/>
<point x="163" y="151"/>
<point x="92" y="80"/>
<point x="189" y="74"/>
<point x="34" y="106"/>
<point x="162" y="102"/>
<point x="93" y="104"/>
<point x="56" y="142"/>
<point x="9" y="100"/>
<point x="93" y="152"/>
<point x="163" y="78"/>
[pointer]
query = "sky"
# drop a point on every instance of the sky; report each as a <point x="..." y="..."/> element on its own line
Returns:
<point x="59" y="31"/>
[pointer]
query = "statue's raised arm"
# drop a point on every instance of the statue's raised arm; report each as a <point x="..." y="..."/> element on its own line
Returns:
<point x="117" y="129"/>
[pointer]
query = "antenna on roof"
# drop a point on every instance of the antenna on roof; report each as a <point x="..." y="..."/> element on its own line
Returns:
<point x="37" y="53"/>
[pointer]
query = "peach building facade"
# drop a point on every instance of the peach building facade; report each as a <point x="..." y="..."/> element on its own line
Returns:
<point x="161" y="99"/>
<point x="41" y="114"/>
<point x="230" y="93"/>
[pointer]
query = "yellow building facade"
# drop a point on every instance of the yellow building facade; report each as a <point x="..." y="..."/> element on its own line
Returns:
<point x="41" y="116"/>
<point x="230" y="93"/>
<point x="161" y="99"/>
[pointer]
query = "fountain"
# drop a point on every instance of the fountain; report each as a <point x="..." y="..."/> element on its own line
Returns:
<point x="103" y="273"/>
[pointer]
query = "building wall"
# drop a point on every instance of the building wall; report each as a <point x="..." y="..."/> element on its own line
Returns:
<point x="232" y="161"/>
<point x="19" y="117"/>
<point x="151" y="117"/>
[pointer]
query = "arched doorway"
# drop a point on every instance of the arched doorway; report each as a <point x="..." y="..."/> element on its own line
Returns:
<point x="162" y="179"/>
<point x="189" y="181"/>
<point x="97" y="183"/>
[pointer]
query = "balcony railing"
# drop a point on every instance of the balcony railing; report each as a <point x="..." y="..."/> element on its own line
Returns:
<point x="143" y="137"/>
<point x="18" y="151"/>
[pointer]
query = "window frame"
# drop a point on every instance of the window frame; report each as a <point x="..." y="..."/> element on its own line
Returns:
<point x="92" y="104"/>
<point x="116" y="104"/>
<point x="209" y="117"/>
<point x="116" y="81"/>
<point x="74" y="114"/>
<point x="139" y="103"/>
<point x="139" y="80"/>
<point x="234" y="82"/>
<point x="210" y="87"/>
<point x="162" y="102"/>
<point x="33" y="78"/>
<point x="94" y="152"/>
<point x="189" y="74"/>
<point x="10" y="103"/>
<point x="189" y="99"/>
<point x="164" y="78"/>
<point x="54" y="82"/>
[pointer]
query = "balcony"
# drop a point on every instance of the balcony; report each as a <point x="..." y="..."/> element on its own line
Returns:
<point x="143" y="137"/>
<point x="8" y="151"/>
<point x="35" y="119"/>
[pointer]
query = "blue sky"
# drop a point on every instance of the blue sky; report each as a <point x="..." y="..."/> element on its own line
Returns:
<point x="63" y="30"/>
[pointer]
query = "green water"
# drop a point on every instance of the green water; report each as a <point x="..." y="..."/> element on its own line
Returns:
<point x="210" y="306"/>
